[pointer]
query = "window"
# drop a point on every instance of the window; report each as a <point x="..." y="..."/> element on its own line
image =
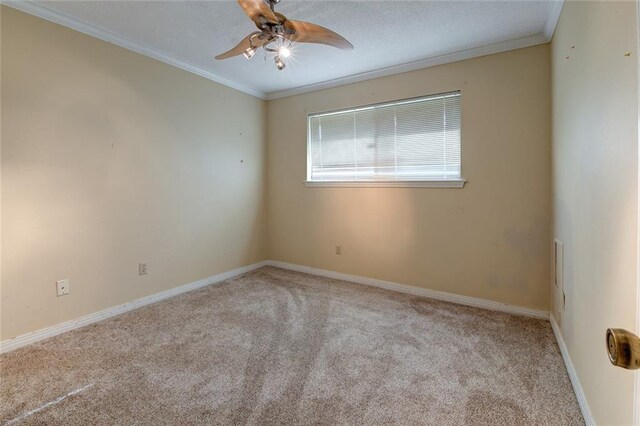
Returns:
<point x="413" y="141"/>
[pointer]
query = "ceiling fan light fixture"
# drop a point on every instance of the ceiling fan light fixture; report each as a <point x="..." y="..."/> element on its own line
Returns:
<point x="276" y="34"/>
<point x="249" y="53"/>
<point x="284" y="52"/>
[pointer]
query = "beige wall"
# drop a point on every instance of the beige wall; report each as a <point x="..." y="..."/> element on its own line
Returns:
<point x="1" y="310"/>
<point x="595" y="168"/>
<point x="488" y="240"/>
<point x="110" y="158"/>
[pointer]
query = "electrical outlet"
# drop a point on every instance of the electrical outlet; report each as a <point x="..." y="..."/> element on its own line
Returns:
<point x="63" y="287"/>
<point x="142" y="269"/>
<point x="338" y="249"/>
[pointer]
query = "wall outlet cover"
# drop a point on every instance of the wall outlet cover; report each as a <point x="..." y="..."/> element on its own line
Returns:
<point x="142" y="269"/>
<point x="63" y="288"/>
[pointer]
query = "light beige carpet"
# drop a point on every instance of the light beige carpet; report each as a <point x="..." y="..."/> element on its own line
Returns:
<point x="278" y="347"/>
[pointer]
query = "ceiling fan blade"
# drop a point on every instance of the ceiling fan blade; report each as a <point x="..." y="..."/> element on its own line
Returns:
<point x="256" y="9"/>
<point x="246" y="43"/>
<point x="305" y="32"/>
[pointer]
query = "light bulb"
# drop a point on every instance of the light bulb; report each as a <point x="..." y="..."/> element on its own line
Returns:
<point x="284" y="52"/>
<point x="279" y="63"/>
<point x="249" y="53"/>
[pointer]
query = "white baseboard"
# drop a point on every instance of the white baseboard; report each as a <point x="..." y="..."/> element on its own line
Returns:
<point x="463" y="300"/>
<point x="417" y="291"/>
<point x="575" y="382"/>
<point x="45" y="333"/>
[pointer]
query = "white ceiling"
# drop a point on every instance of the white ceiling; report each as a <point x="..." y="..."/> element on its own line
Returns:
<point x="389" y="36"/>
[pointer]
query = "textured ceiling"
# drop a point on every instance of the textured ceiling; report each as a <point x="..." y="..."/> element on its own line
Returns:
<point x="384" y="33"/>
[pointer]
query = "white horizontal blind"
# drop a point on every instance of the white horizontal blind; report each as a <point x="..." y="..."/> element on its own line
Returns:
<point x="411" y="140"/>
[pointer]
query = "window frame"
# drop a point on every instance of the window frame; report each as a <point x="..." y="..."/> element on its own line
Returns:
<point x="422" y="183"/>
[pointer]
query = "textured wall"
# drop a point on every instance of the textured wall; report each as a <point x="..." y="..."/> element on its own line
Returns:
<point x="488" y="240"/>
<point x="595" y="188"/>
<point x="110" y="158"/>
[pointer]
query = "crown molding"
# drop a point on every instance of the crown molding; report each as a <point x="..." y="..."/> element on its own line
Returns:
<point x="460" y="55"/>
<point x="552" y="20"/>
<point x="48" y="14"/>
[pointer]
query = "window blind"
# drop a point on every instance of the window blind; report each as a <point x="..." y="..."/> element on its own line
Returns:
<point x="409" y="140"/>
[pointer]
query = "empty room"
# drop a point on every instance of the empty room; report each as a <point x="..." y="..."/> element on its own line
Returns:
<point x="305" y="212"/>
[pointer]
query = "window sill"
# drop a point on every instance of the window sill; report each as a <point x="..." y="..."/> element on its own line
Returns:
<point x="456" y="183"/>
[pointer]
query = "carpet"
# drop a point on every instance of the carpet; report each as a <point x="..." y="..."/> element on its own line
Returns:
<point x="280" y="347"/>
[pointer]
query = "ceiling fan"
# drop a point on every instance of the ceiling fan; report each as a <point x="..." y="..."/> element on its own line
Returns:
<point x="277" y="33"/>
